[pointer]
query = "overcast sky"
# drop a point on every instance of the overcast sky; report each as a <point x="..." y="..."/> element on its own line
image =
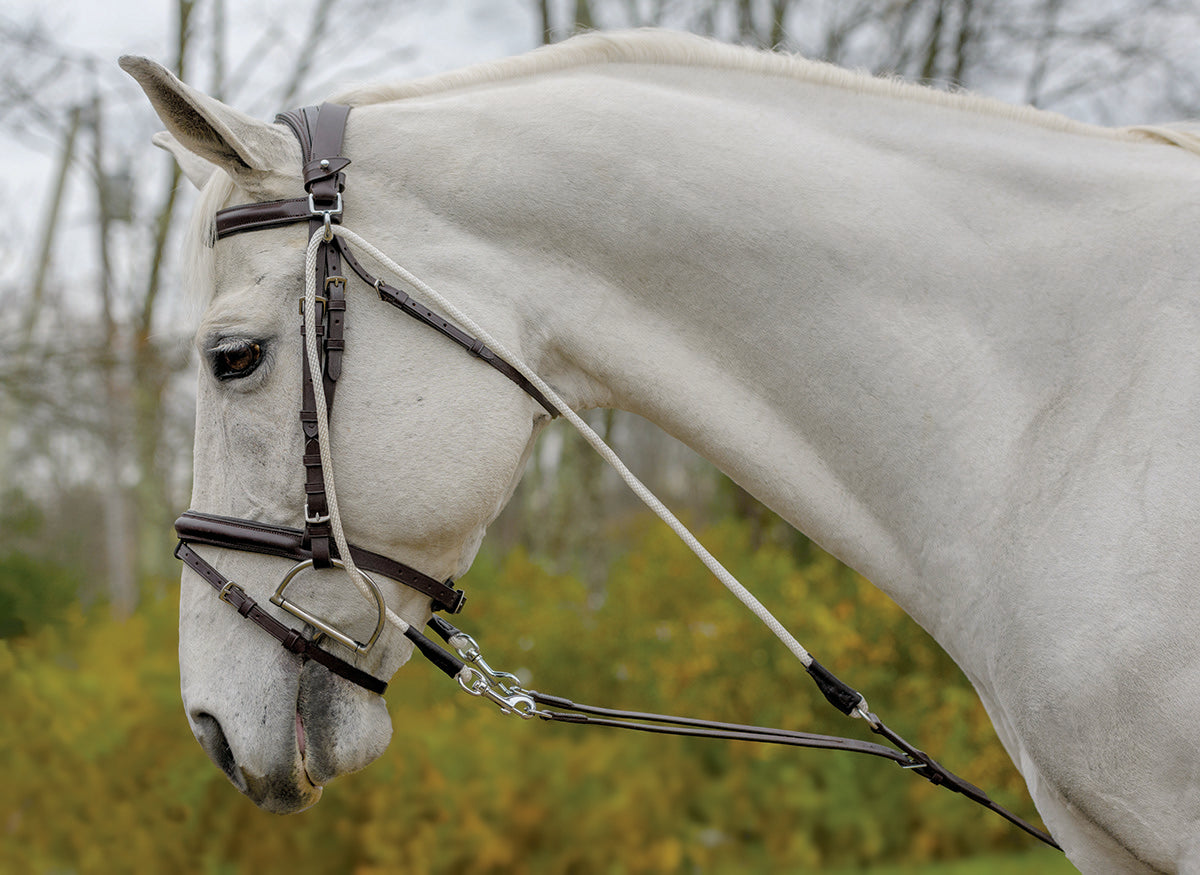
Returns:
<point x="441" y="33"/>
<point x="433" y="35"/>
<point x="430" y="35"/>
<point x="450" y="32"/>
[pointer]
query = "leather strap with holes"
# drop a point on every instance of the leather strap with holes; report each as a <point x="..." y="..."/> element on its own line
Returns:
<point x="291" y="639"/>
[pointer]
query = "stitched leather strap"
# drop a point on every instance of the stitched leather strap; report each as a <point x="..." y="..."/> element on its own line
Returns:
<point x="323" y="128"/>
<point x="905" y="755"/>
<point x="291" y="639"/>
<point x="255" y="217"/>
<point x="665" y="724"/>
<point x="407" y="304"/>
<point x="194" y="527"/>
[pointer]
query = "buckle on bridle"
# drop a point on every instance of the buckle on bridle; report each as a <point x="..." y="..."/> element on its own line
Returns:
<point x="229" y="586"/>
<point x="335" y="210"/>
<point x="320" y="299"/>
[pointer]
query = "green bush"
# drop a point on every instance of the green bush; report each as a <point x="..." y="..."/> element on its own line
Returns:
<point x="34" y="590"/>
<point x="103" y="775"/>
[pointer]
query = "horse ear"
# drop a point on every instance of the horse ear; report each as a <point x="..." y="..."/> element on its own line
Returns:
<point x="246" y="148"/>
<point x="195" y="168"/>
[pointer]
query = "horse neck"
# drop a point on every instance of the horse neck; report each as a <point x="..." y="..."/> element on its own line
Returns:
<point x="857" y="307"/>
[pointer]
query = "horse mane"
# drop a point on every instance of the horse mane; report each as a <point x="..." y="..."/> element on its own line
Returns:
<point x="198" y="266"/>
<point x="663" y="47"/>
<point x="673" y="48"/>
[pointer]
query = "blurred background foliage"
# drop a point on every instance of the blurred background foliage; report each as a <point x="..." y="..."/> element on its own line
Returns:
<point x="102" y="775"/>
<point x="577" y="588"/>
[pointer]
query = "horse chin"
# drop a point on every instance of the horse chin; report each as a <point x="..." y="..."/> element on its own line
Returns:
<point x="289" y="795"/>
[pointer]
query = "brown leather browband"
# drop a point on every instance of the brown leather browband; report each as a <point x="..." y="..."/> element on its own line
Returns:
<point x="255" y="217"/>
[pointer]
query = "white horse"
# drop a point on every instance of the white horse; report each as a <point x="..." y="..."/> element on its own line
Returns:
<point x="957" y="343"/>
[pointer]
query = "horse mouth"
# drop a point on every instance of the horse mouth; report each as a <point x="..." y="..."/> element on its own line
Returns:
<point x="329" y="728"/>
<point x="287" y="794"/>
<point x="301" y="749"/>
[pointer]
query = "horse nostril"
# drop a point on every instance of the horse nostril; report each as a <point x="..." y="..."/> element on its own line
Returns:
<point x="208" y="732"/>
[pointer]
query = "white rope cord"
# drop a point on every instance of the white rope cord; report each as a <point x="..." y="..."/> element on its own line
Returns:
<point x="314" y="367"/>
<point x="648" y="498"/>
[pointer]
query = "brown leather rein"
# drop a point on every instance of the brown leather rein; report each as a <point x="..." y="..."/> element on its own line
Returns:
<point x="320" y="131"/>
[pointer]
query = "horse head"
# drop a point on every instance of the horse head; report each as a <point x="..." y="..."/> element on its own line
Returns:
<point x="426" y="443"/>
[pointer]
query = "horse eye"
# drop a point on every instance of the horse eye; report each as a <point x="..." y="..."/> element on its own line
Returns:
<point x="234" y="359"/>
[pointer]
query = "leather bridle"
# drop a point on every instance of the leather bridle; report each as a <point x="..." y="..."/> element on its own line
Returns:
<point x="320" y="131"/>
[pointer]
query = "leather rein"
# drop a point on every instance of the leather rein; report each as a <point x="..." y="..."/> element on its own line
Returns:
<point x="320" y="131"/>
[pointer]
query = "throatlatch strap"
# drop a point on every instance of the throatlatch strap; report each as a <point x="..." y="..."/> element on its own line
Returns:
<point x="406" y="304"/>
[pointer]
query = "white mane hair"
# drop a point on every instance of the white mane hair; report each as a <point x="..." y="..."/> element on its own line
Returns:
<point x="657" y="47"/>
<point x="199" y="256"/>
<point x="673" y="48"/>
<point x="199" y="253"/>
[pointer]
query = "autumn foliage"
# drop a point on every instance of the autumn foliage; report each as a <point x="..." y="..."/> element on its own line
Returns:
<point x="102" y="774"/>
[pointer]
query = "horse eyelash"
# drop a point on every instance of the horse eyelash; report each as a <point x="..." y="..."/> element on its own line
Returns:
<point x="232" y="344"/>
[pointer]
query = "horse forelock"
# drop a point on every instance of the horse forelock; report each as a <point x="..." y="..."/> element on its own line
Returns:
<point x="672" y="48"/>
<point x="199" y="248"/>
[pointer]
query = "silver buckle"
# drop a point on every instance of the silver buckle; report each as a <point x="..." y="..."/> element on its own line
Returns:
<point x="336" y="211"/>
<point x="322" y="626"/>
<point x="326" y="214"/>
<point x="315" y="519"/>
